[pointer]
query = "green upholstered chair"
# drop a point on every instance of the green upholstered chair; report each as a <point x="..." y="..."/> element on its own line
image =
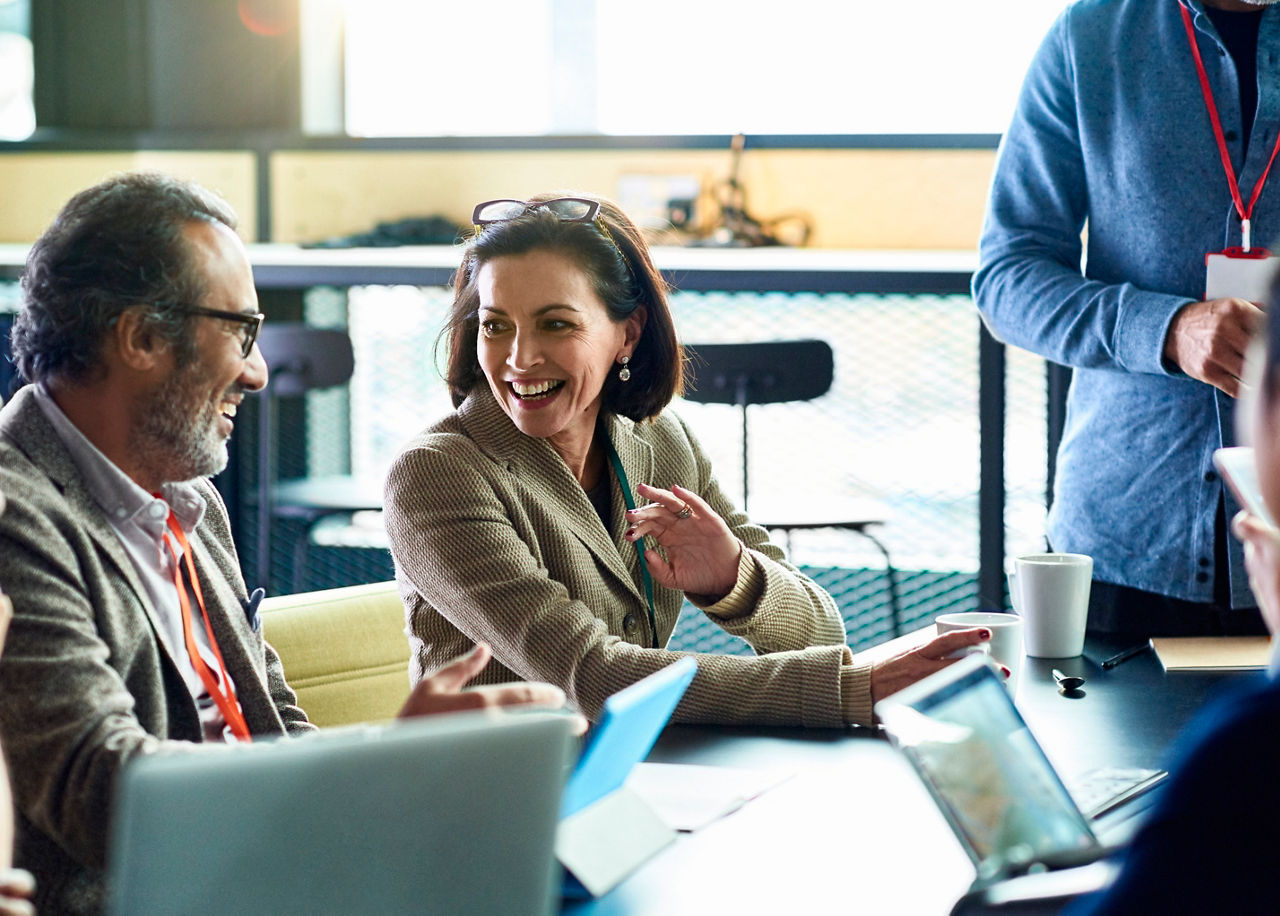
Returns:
<point x="344" y="651"/>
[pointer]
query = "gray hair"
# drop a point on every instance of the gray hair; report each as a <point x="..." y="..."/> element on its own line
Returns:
<point x="116" y="245"/>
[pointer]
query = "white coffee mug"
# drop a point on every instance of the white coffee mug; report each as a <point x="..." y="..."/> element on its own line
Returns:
<point x="1005" y="646"/>
<point x="1050" y="591"/>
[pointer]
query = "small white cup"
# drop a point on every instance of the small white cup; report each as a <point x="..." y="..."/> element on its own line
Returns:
<point x="1050" y="591"/>
<point x="1005" y="646"/>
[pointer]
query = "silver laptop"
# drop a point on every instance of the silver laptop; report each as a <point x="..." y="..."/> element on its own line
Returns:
<point x="1002" y="797"/>
<point x="450" y="814"/>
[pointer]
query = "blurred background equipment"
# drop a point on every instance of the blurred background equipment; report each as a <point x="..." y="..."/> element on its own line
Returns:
<point x="735" y="227"/>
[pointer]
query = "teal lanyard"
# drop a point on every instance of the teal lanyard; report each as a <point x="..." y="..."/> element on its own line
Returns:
<point x="631" y="504"/>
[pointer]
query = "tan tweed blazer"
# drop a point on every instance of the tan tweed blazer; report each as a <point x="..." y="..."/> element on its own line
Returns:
<point x="86" y="680"/>
<point x="495" y="540"/>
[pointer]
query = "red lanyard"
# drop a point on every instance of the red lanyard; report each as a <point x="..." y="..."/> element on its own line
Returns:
<point x="1245" y="212"/>
<point x="226" y="700"/>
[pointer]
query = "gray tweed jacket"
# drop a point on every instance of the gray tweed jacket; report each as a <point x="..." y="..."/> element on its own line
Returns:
<point x="86" y="679"/>
<point x="495" y="540"/>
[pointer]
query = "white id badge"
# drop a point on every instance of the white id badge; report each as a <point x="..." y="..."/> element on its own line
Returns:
<point x="1234" y="274"/>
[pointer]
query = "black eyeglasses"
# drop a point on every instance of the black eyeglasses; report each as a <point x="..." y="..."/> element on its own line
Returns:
<point x="250" y="321"/>
<point x="566" y="209"/>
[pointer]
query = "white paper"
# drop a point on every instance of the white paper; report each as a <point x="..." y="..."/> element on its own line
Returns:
<point x="689" y="796"/>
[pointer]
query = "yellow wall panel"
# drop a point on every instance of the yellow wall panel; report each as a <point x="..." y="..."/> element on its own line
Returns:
<point x="887" y="199"/>
<point x="861" y="199"/>
<point x="34" y="186"/>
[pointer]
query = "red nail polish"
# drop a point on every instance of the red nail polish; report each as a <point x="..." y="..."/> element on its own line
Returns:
<point x="985" y="634"/>
<point x="1007" y="672"/>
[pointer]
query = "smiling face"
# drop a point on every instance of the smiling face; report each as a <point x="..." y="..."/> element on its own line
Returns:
<point x="546" y="345"/>
<point x="184" y="422"/>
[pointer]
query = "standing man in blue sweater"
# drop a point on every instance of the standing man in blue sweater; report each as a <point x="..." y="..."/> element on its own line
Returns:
<point x="1149" y="125"/>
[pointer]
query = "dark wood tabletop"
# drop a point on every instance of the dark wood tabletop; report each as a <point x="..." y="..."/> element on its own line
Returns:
<point x="853" y="829"/>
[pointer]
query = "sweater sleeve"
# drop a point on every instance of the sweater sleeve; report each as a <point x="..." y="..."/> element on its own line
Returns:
<point x="1029" y="286"/>
<point x="473" y="565"/>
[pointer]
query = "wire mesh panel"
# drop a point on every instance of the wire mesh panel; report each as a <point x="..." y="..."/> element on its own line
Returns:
<point x="896" y="437"/>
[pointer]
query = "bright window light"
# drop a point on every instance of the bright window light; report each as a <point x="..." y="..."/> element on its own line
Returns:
<point x="815" y="67"/>
<point x="17" y="113"/>
<point x="447" y="69"/>
<point x="528" y="67"/>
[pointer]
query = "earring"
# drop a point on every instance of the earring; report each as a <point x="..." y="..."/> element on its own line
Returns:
<point x="624" y="374"/>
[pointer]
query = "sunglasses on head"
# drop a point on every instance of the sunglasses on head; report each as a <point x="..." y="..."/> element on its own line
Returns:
<point x="566" y="209"/>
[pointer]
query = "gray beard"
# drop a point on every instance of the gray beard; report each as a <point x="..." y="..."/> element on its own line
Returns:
<point x="177" y="430"/>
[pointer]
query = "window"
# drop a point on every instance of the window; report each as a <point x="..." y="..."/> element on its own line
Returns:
<point x="17" y="113"/>
<point x="529" y="67"/>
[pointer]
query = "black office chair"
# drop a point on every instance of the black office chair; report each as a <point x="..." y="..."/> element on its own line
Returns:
<point x="773" y="372"/>
<point x="302" y="359"/>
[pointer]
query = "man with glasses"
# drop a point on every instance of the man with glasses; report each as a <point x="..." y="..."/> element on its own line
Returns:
<point x="132" y="631"/>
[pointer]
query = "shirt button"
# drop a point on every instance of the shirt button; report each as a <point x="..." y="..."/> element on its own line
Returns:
<point x="1230" y="135"/>
<point x="1210" y="476"/>
<point x="1202" y="577"/>
<point x="158" y="510"/>
<point x="1204" y="561"/>
<point x="629" y="622"/>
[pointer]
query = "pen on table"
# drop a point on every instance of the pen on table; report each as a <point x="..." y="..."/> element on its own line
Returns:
<point x="1125" y="654"/>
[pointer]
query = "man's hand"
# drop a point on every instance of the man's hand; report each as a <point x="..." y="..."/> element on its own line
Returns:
<point x="443" y="691"/>
<point x="1208" y="340"/>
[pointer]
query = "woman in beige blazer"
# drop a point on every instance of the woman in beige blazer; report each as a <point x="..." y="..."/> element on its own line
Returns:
<point x="520" y="520"/>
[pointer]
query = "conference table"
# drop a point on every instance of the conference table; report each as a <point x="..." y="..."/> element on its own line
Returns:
<point x="852" y="829"/>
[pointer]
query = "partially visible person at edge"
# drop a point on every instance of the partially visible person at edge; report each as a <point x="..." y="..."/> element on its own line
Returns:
<point x="512" y="523"/>
<point x="137" y="335"/>
<point x="16" y="884"/>
<point x="1210" y="843"/>
<point x="1113" y="131"/>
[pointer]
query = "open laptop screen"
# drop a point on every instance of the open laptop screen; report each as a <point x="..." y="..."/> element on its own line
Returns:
<point x="972" y="748"/>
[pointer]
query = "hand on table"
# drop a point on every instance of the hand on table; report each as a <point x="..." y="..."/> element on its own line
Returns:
<point x="702" y="553"/>
<point x="891" y="675"/>
<point x="1208" y="340"/>
<point x="446" y="691"/>
<point x="1262" y="561"/>
<point x="16" y="888"/>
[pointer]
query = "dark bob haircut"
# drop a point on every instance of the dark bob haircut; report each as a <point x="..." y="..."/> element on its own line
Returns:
<point x="623" y="277"/>
<point x="114" y="246"/>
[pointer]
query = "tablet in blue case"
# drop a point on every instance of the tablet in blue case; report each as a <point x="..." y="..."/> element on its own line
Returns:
<point x="633" y="718"/>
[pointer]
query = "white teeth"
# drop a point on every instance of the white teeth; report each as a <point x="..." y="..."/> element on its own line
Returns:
<point x="529" y="390"/>
<point x="229" y="410"/>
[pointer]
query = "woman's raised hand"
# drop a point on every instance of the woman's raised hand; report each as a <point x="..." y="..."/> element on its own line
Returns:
<point x="702" y="553"/>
